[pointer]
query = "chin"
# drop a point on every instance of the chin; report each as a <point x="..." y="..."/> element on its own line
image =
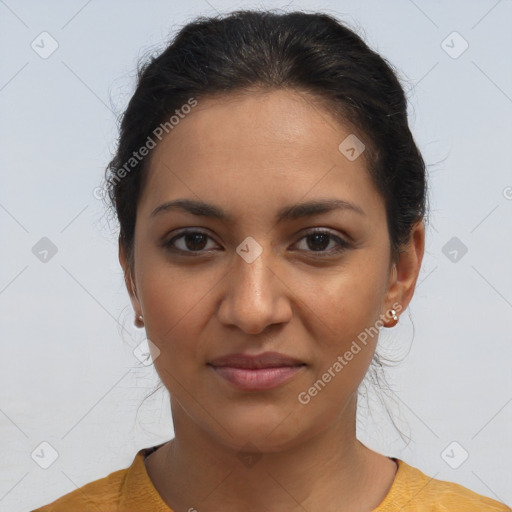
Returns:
<point x="269" y="429"/>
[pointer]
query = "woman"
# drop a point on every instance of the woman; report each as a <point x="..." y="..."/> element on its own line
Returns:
<point x="271" y="202"/>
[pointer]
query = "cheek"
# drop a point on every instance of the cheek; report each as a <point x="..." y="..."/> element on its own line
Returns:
<point x="172" y="296"/>
<point x="174" y="317"/>
<point x="346" y="318"/>
<point x="348" y="302"/>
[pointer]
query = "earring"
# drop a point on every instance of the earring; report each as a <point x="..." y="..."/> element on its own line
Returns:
<point x="139" y="321"/>
<point x="394" y="316"/>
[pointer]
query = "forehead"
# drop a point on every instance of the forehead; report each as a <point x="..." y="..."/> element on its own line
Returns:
<point x="255" y="148"/>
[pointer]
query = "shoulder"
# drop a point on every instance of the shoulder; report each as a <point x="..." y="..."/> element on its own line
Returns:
<point x="113" y="492"/>
<point x="415" y="491"/>
<point x="123" y="490"/>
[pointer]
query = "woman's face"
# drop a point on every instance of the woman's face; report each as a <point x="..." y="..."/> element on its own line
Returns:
<point x="258" y="279"/>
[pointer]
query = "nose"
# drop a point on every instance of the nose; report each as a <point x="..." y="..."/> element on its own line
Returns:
<point x="254" y="296"/>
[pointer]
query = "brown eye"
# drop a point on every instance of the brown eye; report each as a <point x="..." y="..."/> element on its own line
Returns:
<point x="319" y="240"/>
<point x="188" y="241"/>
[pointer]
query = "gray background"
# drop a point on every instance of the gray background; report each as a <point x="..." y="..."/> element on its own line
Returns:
<point x="68" y="374"/>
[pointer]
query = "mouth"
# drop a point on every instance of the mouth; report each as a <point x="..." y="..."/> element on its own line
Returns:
<point x="255" y="373"/>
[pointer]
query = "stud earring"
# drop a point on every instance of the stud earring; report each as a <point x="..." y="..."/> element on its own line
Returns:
<point x="394" y="316"/>
<point x="139" y="321"/>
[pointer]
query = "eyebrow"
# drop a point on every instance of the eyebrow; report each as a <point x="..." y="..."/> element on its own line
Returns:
<point x="292" y="212"/>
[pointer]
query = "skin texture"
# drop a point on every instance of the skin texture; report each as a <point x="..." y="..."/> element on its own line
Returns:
<point x="251" y="155"/>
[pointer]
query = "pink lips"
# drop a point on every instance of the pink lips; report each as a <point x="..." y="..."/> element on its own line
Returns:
<point x="260" y="372"/>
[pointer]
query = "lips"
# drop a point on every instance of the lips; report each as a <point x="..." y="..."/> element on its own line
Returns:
<point x="256" y="373"/>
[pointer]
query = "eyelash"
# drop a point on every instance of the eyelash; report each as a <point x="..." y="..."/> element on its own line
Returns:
<point x="342" y="244"/>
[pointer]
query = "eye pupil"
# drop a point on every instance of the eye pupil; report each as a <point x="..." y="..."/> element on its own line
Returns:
<point x="194" y="238"/>
<point x="316" y="237"/>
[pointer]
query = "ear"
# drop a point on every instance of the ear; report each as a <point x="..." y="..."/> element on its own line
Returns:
<point x="404" y="272"/>
<point x="128" y="279"/>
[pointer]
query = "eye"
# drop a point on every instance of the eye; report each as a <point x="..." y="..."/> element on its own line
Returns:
<point x="191" y="241"/>
<point x="319" y="239"/>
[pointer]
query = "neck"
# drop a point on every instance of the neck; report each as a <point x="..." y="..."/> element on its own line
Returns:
<point x="330" y="467"/>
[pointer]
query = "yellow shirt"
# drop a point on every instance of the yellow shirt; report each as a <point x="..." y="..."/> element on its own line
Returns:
<point x="131" y="490"/>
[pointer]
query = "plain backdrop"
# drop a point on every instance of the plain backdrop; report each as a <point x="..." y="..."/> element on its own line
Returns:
<point x="69" y="377"/>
